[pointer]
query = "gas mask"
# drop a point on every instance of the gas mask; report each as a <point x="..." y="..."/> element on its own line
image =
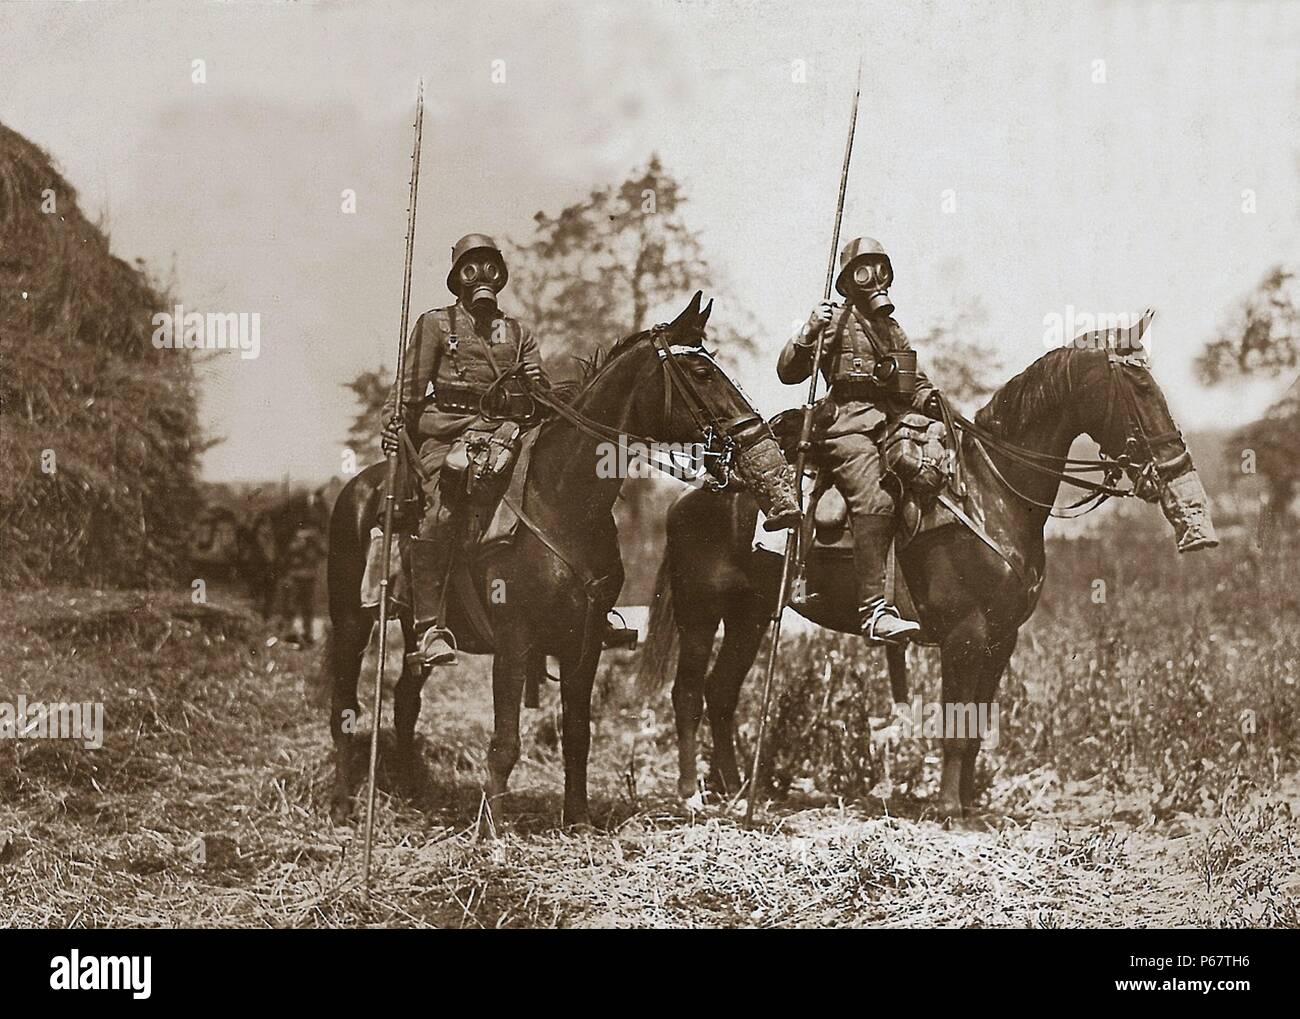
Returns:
<point x="870" y="286"/>
<point x="480" y="279"/>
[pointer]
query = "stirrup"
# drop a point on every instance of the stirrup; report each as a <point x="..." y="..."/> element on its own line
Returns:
<point x="624" y="637"/>
<point x="420" y="659"/>
<point x="907" y="630"/>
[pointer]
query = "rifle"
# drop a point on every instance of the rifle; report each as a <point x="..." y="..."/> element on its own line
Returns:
<point x="794" y="537"/>
<point x="390" y="498"/>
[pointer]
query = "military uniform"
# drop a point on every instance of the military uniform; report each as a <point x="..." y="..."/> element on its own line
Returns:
<point x="449" y="354"/>
<point x="860" y="408"/>
<point x="863" y="401"/>
<point x="453" y="361"/>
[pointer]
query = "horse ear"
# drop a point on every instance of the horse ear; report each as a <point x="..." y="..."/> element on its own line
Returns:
<point x="704" y="315"/>
<point x="690" y="313"/>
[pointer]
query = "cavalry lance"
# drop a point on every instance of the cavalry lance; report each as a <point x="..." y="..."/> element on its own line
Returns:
<point x="390" y="485"/>
<point x="794" y="536"/>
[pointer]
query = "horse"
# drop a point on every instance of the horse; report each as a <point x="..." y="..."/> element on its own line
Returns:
<point x="713" y="574"/>
<point x="561" y="572"/>
<point x="970" y="599"/>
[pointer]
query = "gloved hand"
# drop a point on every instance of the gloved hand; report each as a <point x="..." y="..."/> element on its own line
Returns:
<point x="390" y="439"/>
<point x="934" y="405"/>
<point x="819" y="319"/>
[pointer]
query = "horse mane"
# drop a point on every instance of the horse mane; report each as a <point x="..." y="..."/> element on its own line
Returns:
<point x="590" y="367"/>
<point x="1025" y="398"/>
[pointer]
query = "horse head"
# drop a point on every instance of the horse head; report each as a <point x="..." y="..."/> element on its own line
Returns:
<point x="694" y="401"/>
<point x="1121" y="406"/>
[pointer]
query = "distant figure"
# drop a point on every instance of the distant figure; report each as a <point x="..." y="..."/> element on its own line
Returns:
<point x="279" y="556"/>
<point x="300" y="566"/>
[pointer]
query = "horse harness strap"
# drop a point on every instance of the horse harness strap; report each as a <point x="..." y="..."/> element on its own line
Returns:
<point x="589" y="579"/>
<point x="590" y="582"/>
<point x="951" y="505"/>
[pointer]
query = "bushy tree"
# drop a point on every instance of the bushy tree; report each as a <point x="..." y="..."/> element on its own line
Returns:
<point x="1261" y="337"/>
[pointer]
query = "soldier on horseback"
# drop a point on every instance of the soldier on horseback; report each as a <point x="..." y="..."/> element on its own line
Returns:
<point x="473" y="357"/>
<point x="860" y="363"/>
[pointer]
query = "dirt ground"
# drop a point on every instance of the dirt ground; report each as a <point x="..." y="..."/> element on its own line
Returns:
<point x="207" y="806"/>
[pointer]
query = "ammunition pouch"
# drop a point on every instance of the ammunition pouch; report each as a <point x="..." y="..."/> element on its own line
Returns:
<point x="480" y="460"/>
<point x="454" y="398"/>
<point x="507" y="400"/>
<point x="914" y="452"/>
<point x="857" y="376"/>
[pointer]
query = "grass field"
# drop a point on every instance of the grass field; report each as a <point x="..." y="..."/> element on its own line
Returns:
<point x="1145" y="775"/>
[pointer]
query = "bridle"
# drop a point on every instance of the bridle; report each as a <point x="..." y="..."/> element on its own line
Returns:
<point x="722" y="438"/>
<point x="1136" y="462"/>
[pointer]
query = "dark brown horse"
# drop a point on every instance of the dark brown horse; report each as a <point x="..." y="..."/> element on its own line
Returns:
<point x="712" y="574"/>
<point x="562" y="572"/>
<point x="971" y="600"/>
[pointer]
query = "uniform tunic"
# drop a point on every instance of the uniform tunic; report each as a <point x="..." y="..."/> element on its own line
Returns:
<point x="447" y="346"/>
<point x="849" y="434"/>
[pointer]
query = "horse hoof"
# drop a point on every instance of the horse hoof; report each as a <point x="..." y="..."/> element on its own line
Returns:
<point x="576" y="820"/>
<point x="341" y="810"/>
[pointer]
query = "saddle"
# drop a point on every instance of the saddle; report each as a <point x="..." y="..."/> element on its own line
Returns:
<point x="919" y="461"/>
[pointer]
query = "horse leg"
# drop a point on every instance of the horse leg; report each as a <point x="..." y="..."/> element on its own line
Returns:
<point x="896" y="657"/>
<point x="696" y="646"/>
<point x="740" y="640"/>
<point x="965" y="655"/>
<point x="406" y="708"/>
<point x="985" y="695"/>
<point x="577" y="674"/>
<point x="509" y="670"/>
<point x="346" y="647"/>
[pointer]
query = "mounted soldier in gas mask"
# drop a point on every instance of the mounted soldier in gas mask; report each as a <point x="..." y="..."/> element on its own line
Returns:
<point x="871" y="370"/>
<point x="468" y="369"/>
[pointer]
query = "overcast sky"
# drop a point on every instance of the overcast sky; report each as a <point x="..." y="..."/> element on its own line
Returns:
<point x="1063" y="189"/>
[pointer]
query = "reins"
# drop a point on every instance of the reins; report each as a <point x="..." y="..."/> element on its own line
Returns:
<point x="1143" y="471"/>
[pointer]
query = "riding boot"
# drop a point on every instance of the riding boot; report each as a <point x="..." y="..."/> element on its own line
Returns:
<point x="881" y="623"/>
<point x="431" y="562"/>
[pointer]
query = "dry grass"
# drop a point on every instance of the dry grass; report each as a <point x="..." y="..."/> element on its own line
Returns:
<point x="206" y="807"/>
<point x="98" y="429"/>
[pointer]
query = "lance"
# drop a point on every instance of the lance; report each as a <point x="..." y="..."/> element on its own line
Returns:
<point x="377" y="703"/>
<point x="794" y="537"/>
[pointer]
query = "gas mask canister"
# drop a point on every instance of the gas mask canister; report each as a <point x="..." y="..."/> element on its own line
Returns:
<point x="480" y="280"/>
<point x="870" y="285"/>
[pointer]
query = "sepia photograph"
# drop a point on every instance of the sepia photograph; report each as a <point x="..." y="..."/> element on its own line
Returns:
<point x="664" y="464"/>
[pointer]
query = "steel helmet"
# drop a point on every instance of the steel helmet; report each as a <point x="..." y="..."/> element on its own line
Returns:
<point x="470" y="243"/>
<point x="857" y="250"/>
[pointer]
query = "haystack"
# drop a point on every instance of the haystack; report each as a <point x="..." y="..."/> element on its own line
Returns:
<point x="99" y="433"/>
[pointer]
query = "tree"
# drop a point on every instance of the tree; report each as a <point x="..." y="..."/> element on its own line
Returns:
<point x="594" y="272"/>
<point x="371" y="389"/>
<point x="1261" y="336"/>
<point x="1274" y="442"/>
<point x="960" y="358"/>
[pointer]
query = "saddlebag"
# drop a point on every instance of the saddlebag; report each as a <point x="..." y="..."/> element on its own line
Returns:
<point x="914" y="452"/>
<point x="480" y="461"/>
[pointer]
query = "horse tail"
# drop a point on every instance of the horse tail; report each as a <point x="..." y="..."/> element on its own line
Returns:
<point x="660" y="651"/>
